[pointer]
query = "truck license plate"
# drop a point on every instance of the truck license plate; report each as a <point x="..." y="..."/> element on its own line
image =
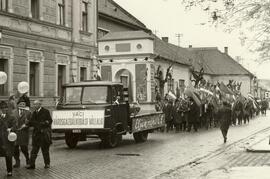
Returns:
<point x="76" y="131"/>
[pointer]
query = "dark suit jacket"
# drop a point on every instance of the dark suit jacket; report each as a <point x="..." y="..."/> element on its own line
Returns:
<point x="225" y="117"/>
<point x="7" y="147"/>
<point x="41" y="121"/>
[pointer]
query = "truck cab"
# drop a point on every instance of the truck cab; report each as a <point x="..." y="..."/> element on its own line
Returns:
<point x="92" y="107"/>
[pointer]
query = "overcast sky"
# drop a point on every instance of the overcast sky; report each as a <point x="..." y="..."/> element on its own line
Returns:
<point x="168" y="18"/>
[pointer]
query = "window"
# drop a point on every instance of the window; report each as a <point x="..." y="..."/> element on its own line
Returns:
<point x="83" y="73"/>
<point x="73" y="95"/>
<point x="84" y="17"/>
<point x="35" y="9"/>
<point x="61" y="12"/>
<point x="61" y="79"/>
<point x="4" y="5"/>
<point x="34" y="78"/>
<point x="107" y="48"/>
<point x="102" y="32"/>
<point x="95" y="95"/>
<point x="4" y="68"/>
<point x="171" y="85"/>
<point x="181" y="83"/>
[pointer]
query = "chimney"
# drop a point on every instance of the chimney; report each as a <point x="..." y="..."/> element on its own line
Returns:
<point x="226" y="50"/>
<point x="190" y="46"/>
<point x="165" y="39"/>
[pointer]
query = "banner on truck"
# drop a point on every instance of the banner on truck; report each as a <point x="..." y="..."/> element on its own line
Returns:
<point x="78" y="119"/>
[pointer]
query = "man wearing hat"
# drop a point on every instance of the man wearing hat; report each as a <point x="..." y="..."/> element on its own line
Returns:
<point x="23" y="116"/>
<point x="7" y="125"/>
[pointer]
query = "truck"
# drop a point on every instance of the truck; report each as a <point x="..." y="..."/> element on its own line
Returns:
<point x="101" y="109"/>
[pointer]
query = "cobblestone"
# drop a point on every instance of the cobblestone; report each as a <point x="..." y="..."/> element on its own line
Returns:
<point x="162" y="153"/>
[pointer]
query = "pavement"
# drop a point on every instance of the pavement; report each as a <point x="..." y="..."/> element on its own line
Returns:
<point x="241" y="173"/>
<point x="262" y="146"/>
<point x="159" y="157"/>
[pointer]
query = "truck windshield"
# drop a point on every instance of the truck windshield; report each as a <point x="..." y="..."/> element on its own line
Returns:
<point x="73" y="95"/>
<point x="95" y="95"/>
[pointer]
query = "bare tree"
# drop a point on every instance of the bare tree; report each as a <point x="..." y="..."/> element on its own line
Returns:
<point x="251" y="18"/>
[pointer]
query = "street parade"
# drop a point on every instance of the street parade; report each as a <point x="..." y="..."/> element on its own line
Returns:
<point x="116" y="89"/>
<point x="203" y="106"/>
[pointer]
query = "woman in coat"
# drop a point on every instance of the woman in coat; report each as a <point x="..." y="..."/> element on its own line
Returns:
<point x="7" y="124"/>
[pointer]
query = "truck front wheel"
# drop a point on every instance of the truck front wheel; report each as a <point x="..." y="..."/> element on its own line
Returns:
<point x="71" y="139"/>
<point x="111" y="140"/>
<point x="140" y="136"/>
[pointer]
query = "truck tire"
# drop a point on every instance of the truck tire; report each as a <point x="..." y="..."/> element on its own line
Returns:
<point x="140" y="136"/>
<point x="71" y="139"/>
<point x="111" y="140"/>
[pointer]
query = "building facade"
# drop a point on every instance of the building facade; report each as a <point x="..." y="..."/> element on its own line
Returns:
<point x="221" y="67"/>
<point x="133" y="58"/>
<point x="47" y="43"/>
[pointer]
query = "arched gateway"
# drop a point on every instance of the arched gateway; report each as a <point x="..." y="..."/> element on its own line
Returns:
<point x="125" y="76"/>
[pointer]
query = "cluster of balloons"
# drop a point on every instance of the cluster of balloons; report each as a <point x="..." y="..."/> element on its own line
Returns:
<point x="23" y="87"/>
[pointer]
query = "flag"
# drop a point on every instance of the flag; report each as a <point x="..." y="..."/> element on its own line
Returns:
<point x="191" y="92"/>
<point x="225" y="89"/>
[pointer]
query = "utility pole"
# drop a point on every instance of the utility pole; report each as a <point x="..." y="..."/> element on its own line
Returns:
<point x="178" y="36"/>
<point x="155" y="31"/>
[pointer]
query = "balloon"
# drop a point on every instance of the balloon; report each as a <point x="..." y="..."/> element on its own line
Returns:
<point x="3" y="77"/>
<point x="12" y="136"/>
<point x="23" y="87"/>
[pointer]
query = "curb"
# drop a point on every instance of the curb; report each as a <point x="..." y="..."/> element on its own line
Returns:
<point x="215" y="153"/>
<point x="257" y="150"/>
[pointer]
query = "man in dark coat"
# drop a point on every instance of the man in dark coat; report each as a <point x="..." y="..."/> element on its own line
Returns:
<point x="177" y="118"/>
<point x="193" y="115"/>
<point x="168" y="111"/>
<point x="41" y="121"/>
<point x="225" y="119"/>
<point x="23" y="116"/>
<point x="7" y="124"/>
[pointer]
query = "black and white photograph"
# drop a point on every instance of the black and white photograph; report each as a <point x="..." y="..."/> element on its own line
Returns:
<point x="134" y="89"/>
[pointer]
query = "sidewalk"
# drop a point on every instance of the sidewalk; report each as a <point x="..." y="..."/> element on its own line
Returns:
<point x="261" y="147"/>
<point x="241" y="173"/>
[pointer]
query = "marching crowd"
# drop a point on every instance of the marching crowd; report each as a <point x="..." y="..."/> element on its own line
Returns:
<point x="15" y="120"/>
<point x="183" y="114"/>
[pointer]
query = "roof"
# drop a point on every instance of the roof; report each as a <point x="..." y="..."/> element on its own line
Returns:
<point x="171" y="52"/>
<point x="112" y="9"/>
<point x="215" y="62"/>
<point x="92" y="83"/>
<point x="126" y="35"/>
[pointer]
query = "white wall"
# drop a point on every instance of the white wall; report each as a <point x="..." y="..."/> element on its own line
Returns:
<point x="147" y="47"/>
<point x="179" y="72"/>
<point x="245" y="79"/>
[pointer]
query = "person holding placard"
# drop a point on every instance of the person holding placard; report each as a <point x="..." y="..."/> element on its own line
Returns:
<point x="7" y="136"/>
